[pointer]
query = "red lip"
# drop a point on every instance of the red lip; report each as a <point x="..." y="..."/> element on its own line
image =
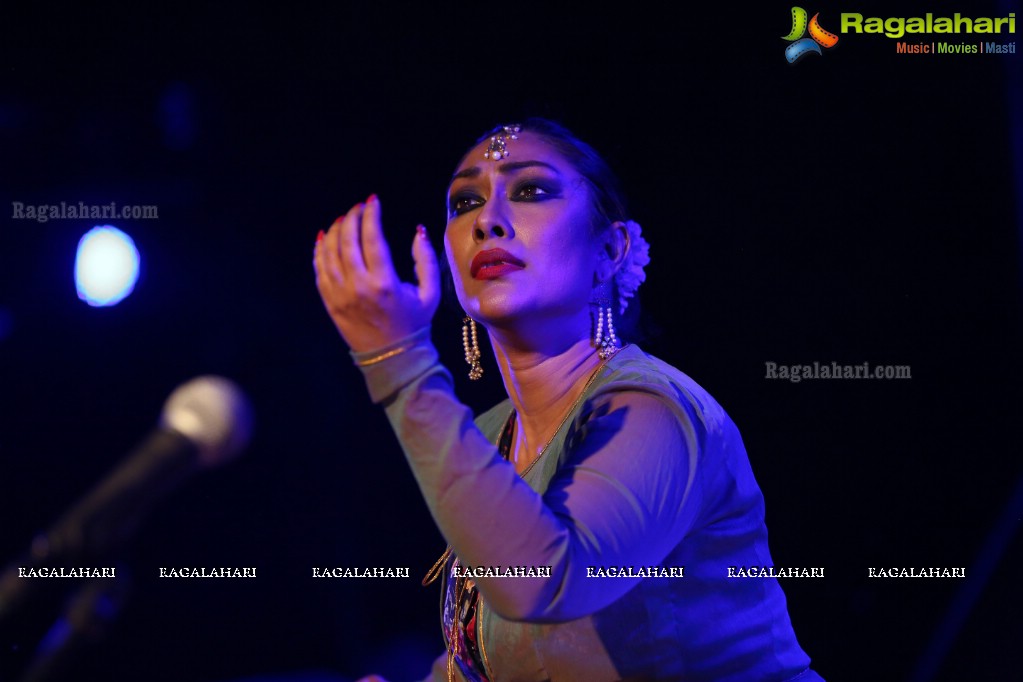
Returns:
<point x="493" y="263"/>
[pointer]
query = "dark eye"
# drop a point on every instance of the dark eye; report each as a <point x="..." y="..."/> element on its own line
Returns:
<point x="463" y="203"/>
<point x="531" y="192"/>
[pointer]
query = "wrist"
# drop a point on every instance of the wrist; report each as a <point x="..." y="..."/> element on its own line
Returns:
<point x="372" y="356"/>
<point x="390" y="368"/>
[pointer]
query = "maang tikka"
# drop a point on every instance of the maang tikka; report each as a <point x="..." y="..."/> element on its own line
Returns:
<point x="498" y="147"/>
<point x="604" y="338"/>
<point x="471" y="343"/>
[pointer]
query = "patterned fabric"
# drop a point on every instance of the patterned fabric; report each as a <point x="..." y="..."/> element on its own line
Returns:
<point x="461" y="601"/>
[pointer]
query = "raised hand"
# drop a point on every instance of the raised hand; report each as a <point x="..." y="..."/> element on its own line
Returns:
<point x="355" y="276"/>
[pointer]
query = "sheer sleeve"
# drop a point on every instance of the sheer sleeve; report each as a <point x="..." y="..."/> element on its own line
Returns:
<point x="623" y="495"/>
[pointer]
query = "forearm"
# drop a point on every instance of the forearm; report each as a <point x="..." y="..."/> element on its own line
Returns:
<point x="492" y="517"/>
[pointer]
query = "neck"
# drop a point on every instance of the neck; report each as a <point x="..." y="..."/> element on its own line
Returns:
<point x="543" y="380"/>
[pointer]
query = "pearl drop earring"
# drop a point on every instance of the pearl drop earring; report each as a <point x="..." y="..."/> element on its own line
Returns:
<point x="607" y="344"/>
<point x="470" y="341"/>
<point x="605" y="340"/>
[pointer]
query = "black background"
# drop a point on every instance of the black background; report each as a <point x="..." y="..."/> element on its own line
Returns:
<point x="857" y="206"/>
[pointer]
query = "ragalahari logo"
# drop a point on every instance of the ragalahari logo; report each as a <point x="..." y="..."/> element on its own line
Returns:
<point x="801" y="46"/>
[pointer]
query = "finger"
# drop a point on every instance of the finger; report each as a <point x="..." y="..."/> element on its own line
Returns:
<point x="427" y="270"/>
<point x="316" y="249"/>
<point x="333" y="268"/>
<point x="352" y="264"/>
<point x="318" y="264"/>
<point x="375" y="250"/>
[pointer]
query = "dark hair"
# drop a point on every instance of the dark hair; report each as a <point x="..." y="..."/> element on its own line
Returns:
<point x="608" y="198"/>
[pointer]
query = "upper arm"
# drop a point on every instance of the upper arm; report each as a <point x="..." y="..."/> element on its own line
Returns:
<point x="624" y="493"/>
<point x="628" y="467"/>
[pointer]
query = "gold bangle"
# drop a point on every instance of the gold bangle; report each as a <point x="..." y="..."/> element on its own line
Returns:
<point x="383" y="356"/>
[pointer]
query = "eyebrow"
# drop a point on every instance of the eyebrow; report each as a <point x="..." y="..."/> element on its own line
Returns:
<point x="504" y="169"/>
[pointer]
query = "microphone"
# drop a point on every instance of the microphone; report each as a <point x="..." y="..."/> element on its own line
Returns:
<point x="205" y="422"/>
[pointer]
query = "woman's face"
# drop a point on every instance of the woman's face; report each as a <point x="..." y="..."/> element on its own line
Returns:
<point x="520" y="235"/>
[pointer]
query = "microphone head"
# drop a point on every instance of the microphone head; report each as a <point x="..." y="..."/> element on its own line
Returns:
<point x="213" y="413"/>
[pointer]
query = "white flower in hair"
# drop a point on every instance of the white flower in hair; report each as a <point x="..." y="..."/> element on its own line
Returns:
<point x="631" y="274"/>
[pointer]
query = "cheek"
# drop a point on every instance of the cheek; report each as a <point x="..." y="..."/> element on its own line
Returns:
<point x="453" y="259"/>
<point x="447" y="249"/>
<point x="567" y="243"/>
<point x="457" y="243"/>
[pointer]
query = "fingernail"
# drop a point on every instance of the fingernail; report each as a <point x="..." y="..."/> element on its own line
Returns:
<point x="421" y="231"/>
<point x="372" y="197"/>
<point x="319" y="237"/>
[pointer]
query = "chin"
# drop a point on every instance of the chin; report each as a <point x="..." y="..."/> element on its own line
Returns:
<point x="499" y="308"/>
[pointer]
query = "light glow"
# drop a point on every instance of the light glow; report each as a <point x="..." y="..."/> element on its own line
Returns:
<point x="106" y="266"/>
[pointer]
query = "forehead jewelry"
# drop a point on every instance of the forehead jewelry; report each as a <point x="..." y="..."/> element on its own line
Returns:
<point x="498" y="147"/>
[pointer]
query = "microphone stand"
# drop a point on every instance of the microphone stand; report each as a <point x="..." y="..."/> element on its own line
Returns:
<point x="87" y="616"/>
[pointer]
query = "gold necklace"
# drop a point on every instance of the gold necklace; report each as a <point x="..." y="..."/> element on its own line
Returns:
<point x="568" y="414"/>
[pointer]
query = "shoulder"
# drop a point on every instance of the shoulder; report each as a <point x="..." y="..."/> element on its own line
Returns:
<point x="669" y="428"/>
<point x="637" y="377"/>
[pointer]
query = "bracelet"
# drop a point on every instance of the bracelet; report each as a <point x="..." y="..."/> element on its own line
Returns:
<point x="407" y="343"/>
<point x="383" y="356"/>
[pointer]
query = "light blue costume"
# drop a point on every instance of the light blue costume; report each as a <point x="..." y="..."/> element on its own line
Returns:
<point x="648" y="473"/>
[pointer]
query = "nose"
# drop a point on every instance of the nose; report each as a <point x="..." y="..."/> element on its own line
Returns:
<point x="491" y="222"/>
<point x="480" y="233"/>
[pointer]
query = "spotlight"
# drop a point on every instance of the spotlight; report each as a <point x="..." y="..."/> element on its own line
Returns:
<point x="106" y="266"/>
